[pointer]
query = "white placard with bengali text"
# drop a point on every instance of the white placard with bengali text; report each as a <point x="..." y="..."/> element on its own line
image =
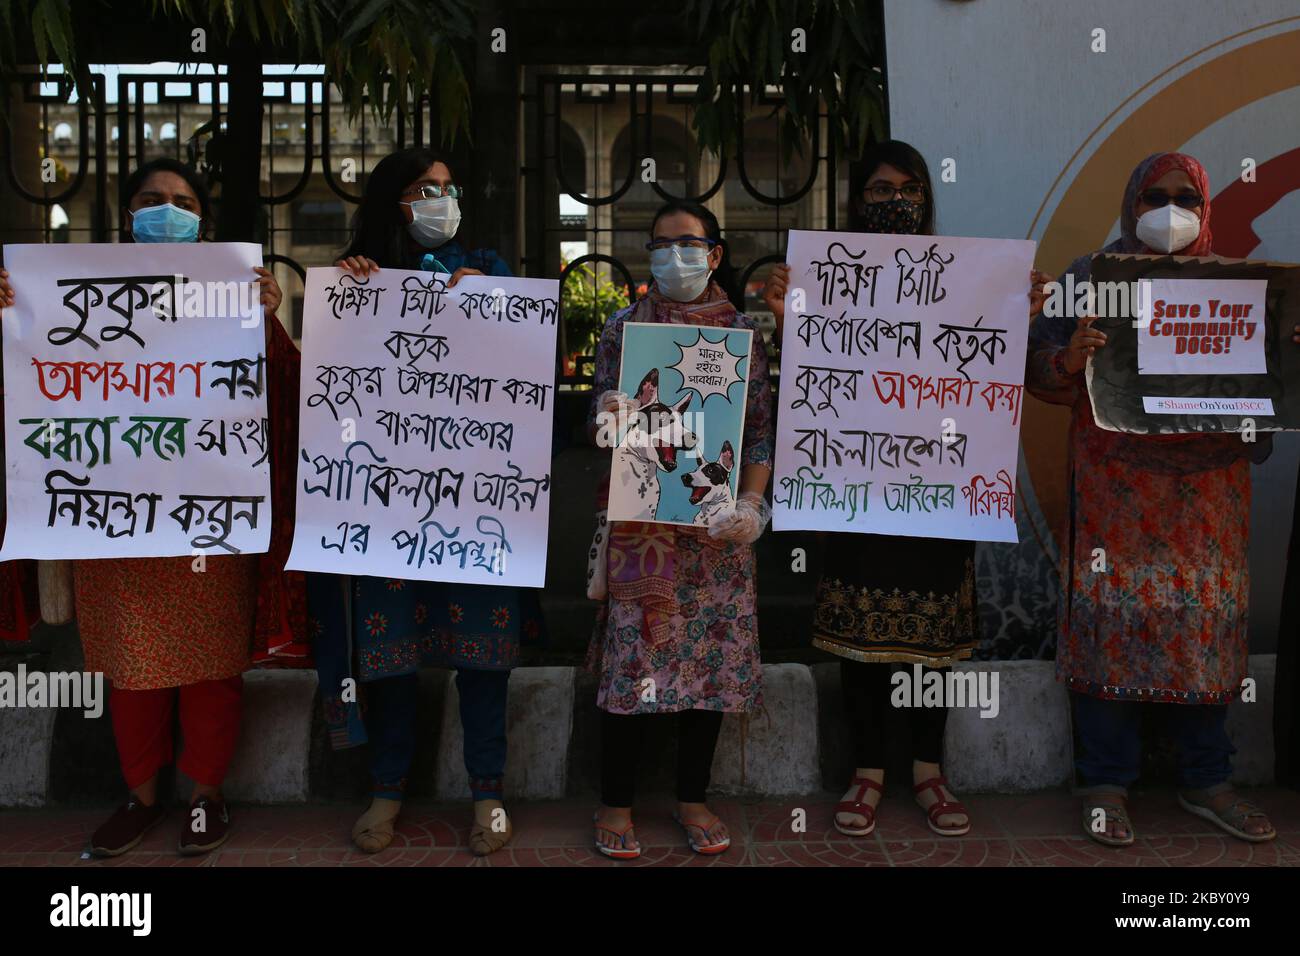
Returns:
<point x="135" y="401"/>
<point x="426" y="418"/>
<point x="902" y="385"/>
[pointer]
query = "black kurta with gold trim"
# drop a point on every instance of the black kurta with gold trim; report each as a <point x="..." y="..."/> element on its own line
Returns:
<point x="897" y="599"/>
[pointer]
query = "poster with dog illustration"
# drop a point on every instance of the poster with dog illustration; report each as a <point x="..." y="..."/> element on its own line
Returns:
<point x="677" y="450"/>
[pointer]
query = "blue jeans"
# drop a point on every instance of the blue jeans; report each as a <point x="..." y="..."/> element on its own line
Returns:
<point x="1110" y="741"/>
<point x="390" y="725"/>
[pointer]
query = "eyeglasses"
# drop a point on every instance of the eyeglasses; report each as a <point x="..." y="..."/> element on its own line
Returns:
<point x="435" y="192"/>
<point x="681" y="242"/>
<point x="1158" y="197"/>
<point x="884" y="192"/>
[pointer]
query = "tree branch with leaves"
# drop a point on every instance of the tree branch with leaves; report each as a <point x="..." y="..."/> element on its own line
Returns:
<point x="823" y="55"/>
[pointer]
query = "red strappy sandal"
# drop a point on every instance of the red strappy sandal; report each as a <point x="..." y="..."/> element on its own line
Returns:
<point x="940" y="807"/>
<point x="859" y="807"/>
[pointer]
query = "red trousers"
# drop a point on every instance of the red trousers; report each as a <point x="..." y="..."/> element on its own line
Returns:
<point x="142" y="725"/>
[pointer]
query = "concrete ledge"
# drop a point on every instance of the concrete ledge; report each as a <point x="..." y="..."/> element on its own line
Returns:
<point x="773" y="751"/>
<point x="539" y="726"/>
<point x="273" y="754"/>
<point x="796" y="743"/>
<point x="1027" y="746"/>
<point x="26" y="742"/>
<point x="1250" y="725"/>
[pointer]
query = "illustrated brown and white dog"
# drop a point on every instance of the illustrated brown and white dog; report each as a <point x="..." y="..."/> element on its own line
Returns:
<point x="710" y="486"/>
<point x="655" y="437"/>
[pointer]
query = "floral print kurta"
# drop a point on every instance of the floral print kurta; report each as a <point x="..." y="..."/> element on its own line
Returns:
<point x="1153" y="569"/>
<point x="152" y="623"/>
<point x="373" y="628"/>
<point x="711" y="660"/>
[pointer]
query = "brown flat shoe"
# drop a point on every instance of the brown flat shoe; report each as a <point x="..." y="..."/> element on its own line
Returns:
<point x="125" y="828"/>
<point x="205" y="831"/>
<point x="373" y="830"/>
<point x="484" y="841"/>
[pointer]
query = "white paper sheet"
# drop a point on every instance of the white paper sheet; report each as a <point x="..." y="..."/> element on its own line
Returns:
<point x="426" y="417"/>
<point x="135" y="401"/>
<point x="902" y="380"/>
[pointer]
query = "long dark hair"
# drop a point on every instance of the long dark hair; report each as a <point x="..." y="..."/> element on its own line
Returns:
<point x="165" y="164"/>
<point x="900" y="155"/>
<point x="378" y="228"/>
<point x="725" y="274"/>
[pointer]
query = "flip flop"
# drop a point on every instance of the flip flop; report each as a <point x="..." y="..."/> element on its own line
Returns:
<point x="707" y="848"/>
<point x="1113" y="811"/>
<point x="624" y="852"/>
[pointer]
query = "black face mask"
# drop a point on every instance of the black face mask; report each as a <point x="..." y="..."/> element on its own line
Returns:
<point x="898" y="216"/>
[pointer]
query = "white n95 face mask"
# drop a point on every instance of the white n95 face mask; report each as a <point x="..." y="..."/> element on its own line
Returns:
<point x="434" y="221"/>
<point x="1168" y="228"/>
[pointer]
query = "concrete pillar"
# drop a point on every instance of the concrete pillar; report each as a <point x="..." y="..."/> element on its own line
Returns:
<point x="1250" y="725"/>
<point x="272" y="758"/>
<point x="1027" y="746"/>
<point x="539" y="726"/>
<point x="773" y="750"/>
<point x="26" y="740"/>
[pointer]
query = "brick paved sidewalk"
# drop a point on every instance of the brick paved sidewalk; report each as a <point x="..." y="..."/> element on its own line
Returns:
<point x="1035" y="830"/>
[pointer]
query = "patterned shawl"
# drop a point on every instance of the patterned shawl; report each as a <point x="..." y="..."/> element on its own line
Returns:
<point x="642" y="554"/>
<point x="1164" y="454"/>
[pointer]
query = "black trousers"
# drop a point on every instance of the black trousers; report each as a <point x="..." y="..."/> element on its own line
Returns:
<point x="622" y="736"/>
<point x="867" y="690"/>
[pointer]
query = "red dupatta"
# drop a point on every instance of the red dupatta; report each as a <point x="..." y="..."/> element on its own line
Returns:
<point x="20" y="605"/>
<point x="280" y="629"/>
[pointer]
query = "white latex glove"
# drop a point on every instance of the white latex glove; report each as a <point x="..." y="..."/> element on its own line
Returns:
<point x="745" y="523"/>
<point x="617" y="403"/>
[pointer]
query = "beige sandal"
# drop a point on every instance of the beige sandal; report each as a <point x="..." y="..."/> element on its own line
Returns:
<point x="1232" y="818"/>
<point x="373" y="830"/>
<point x="484" y="841"/>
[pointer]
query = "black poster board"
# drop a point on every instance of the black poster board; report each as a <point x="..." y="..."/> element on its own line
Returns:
<point x="1116" y="389"/>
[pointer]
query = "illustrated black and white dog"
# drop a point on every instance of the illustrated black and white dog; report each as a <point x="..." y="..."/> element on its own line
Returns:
<point x="655" y="437"/>
<point x="710" y="486"/>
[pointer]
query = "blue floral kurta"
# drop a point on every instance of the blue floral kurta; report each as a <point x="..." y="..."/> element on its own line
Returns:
<point x="370" y="628"/>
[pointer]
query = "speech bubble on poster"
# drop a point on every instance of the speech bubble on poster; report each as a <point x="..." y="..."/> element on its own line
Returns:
<point x="707" y="368"/>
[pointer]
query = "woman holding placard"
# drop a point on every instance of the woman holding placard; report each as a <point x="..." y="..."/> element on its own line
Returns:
<point x="177" y="633"/>
<point x="377" y="632"/>
<point x="678" y="632"/>
<point x="910" y="601"/>
<point x="1154" y="568"/>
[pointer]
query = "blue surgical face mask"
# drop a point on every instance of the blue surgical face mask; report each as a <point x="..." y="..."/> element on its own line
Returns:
<point x="165" y="223"/>
<point x="681" y="274"/>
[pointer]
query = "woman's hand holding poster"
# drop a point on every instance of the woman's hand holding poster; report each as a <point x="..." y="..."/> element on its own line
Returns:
<point x="902" y="379"/>
<point x="135" y="405"/>
<point x="425" y="426"/>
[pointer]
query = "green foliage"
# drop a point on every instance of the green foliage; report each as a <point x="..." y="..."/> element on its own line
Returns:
<point x="750" y="44"/>
<point x="388" y="52"/>
<point x="587" y="299"/>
